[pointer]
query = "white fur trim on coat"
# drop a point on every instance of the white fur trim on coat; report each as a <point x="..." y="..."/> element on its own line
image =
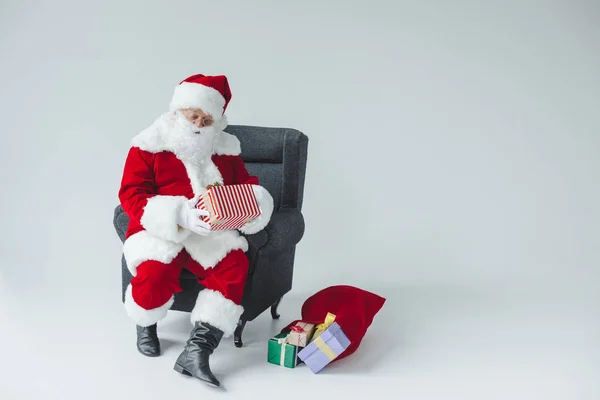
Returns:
<point x="213" y="308"/>
<point x="209" y="250"/>
<point x="201" y="176"/>
<point x="221" y="123"/>
<point x="160" y="217"/>
<point x="141" y="316"/>
<point x="143" y="246"/>
<point x="265" y="203"/>
<point x="227" y="145"/>
<point x="193" y="95"/>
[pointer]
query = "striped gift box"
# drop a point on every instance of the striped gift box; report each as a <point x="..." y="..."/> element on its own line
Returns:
<point x="230" y="206"/>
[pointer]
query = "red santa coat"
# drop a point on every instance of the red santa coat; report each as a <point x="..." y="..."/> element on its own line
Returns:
<point x="156" y="182"/>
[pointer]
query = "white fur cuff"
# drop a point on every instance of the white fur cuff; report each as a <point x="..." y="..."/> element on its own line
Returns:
<point x="141" y="316"/>
<point x="214" y="309"/>
<point x="160" y="217"/>
<point x="265" y="203"/>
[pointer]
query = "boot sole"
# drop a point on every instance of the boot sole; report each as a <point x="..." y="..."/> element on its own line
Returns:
<point x="148" y="354"/>
<point x="185" y="372"/>
<point x="181" y="370"/>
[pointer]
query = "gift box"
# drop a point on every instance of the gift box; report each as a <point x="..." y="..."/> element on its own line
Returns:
<point x="352" y="308"/>
<point x="280" y="352"/>
<point x="230" y="206"/>
<point x="324" y="348"/>
<point x="301" y="334"/>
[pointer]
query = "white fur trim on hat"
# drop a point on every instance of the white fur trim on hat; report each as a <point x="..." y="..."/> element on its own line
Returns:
<point x="195" y="95"/>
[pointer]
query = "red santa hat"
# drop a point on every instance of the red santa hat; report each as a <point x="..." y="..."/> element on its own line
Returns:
<point x="211" y="94"/>
<point x="354" y="310"/>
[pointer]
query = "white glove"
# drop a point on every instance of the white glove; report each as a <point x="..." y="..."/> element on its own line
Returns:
<point x="189" y="218"/>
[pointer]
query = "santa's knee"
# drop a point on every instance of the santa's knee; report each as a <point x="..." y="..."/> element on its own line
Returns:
<point x="150" y="293"/>
<point x="236" y="261"/>
<point x="156" y="273"/>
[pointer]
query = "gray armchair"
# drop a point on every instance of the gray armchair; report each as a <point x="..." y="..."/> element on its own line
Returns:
<point x="277" y="156"/>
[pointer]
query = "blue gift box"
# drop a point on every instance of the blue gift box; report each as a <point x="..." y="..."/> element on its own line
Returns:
<point x="325" y="348"/>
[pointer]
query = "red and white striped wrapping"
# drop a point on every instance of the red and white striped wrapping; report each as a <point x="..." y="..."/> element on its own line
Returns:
<point x="230" y="206"/>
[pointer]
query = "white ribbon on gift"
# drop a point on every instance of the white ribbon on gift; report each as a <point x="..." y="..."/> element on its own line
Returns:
<point x="282" y="341"/>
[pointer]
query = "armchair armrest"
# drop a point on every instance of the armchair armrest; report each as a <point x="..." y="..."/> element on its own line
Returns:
<point x="257" y="240"/>
<point x="120" y="222"/>
<point x="285" y="230"/>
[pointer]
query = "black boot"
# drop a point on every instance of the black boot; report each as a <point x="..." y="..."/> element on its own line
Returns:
<point x="193" y="361"/>
<point x="147" y="341"/>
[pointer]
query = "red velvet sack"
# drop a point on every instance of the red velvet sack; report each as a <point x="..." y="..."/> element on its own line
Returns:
<point x="354" y="311"/>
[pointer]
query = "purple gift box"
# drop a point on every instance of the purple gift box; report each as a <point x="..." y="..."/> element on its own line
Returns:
<point x="325" y="348"/>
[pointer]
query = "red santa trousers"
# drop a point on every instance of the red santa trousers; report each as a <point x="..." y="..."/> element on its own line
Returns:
<point x="151" y="291"/>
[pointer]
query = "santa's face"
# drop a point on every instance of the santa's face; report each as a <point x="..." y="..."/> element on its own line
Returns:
<point x="197" y="117"/>
<point x="192" y="136"/>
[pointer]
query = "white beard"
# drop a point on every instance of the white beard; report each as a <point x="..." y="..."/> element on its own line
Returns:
<point x="189" y="143"/>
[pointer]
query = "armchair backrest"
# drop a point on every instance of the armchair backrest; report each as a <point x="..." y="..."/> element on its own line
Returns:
<point x="278" y="157"/>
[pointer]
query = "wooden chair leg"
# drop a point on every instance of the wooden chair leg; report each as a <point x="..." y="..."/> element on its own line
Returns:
<point x="274" y="313"/>
<point x="237" y="335"/>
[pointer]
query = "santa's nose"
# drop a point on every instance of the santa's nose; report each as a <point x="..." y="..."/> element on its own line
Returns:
<point x="198" y="123"/>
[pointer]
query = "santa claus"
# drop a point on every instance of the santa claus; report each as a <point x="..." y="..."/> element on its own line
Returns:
<point x="168" y="166"/>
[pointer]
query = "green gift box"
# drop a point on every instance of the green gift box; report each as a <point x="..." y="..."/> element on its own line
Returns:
<point x="280" y="352"/>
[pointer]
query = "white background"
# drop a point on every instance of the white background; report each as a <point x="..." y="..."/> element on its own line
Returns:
<point x="453" y="155"/>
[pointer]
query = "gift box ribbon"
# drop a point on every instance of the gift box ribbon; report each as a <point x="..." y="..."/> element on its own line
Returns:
<point x="329" y="319"/>
<point x="324" y="347"/>
<point x="282" y="342"/>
